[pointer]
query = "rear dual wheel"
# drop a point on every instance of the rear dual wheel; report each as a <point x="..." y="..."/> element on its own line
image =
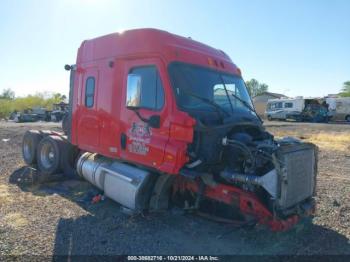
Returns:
<point x="56" y="155"/>
<point x="30" y="143"/>
<point x="51" y="153"/>
<point x="31" y="140"/>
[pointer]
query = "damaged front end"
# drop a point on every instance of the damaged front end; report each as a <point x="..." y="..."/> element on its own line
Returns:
<point x="238" y="171"/>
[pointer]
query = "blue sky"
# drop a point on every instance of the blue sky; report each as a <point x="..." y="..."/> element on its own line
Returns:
<point x="296" y="47"/>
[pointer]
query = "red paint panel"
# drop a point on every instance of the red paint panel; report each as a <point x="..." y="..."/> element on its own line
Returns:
<point x="100" y="128"/>
<point x="88" y="123"/>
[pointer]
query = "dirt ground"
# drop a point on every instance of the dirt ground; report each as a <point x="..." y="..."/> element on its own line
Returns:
<point x="58" y="217"/>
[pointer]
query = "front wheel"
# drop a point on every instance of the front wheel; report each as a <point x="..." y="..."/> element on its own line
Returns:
<point x="347" y="118"/>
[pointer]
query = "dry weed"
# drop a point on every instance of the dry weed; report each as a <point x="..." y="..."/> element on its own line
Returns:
<point x="331" y="141"/>
<point x="15" y="220"/>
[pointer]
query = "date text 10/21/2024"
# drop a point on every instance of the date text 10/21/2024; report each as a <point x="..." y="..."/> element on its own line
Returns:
<point x="173" y="258"/>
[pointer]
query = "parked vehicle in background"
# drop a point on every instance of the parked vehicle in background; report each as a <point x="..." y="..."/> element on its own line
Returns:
<point x="13" y="115"/>
<point x="260" y="101"/>
<point x="25" y="117"/>
<point x="42" y="113"/>
<point x="339" y="107"/>
<point x="299" y="109"/>
<point x="34" y="114"/>
<point x="282" y="109"/>
<point x="59" y="111"/>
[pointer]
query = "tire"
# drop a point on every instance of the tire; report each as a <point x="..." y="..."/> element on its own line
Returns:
<point x="49" y="155"/>
<point x="269" y="118"/>
<point x="31" y="140"/>
<point x="347" y="118"/>
<point x="68" y="160"/>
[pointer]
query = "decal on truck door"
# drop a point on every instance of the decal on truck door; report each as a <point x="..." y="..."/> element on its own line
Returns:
<point x="140" y="142"/>
<point x="140" y="136"/>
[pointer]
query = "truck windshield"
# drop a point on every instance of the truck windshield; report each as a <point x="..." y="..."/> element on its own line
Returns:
<point x="227" y="91"/>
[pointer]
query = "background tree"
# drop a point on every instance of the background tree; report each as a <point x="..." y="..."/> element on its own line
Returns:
<point x="263" y="88"/>
<point x="10" y="103"/>
<point x="345" y="91"/>
<point x="255" y="88"/>
<point x="7" y="94"/>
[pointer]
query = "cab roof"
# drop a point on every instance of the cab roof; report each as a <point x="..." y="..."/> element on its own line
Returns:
<point x="148" y="42"/>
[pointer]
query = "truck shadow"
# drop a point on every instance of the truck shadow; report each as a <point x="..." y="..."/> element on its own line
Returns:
<point x="106" y="230"/>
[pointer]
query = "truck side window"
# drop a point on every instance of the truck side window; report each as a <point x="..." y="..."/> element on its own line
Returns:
<point x="152" y="94"/>
<point x="89" y="91"/>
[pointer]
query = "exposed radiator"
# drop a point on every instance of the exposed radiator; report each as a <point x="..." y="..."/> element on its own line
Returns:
<point x="297" y="173"/>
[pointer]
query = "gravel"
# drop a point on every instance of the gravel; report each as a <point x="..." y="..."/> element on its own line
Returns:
<point x="57" y="217"/>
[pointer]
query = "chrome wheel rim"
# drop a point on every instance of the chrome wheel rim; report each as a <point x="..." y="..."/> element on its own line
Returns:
<point x="47" y="156"/>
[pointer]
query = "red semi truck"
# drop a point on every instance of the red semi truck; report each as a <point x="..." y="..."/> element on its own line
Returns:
<point x="157" y="120"/>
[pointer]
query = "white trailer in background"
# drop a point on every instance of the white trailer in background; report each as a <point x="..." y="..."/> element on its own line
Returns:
<point x="281" y="109"/>
<point x="339" y="107"/>
<point x="299" y="109"/>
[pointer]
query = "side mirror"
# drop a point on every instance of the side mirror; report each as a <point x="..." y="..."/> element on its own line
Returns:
<point x="133" y="91"/>
<point x="154" y="121"/>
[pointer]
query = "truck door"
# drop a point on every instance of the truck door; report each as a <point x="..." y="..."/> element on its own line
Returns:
<point x="141" y="141"/>
<point x="88" y="124"/>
